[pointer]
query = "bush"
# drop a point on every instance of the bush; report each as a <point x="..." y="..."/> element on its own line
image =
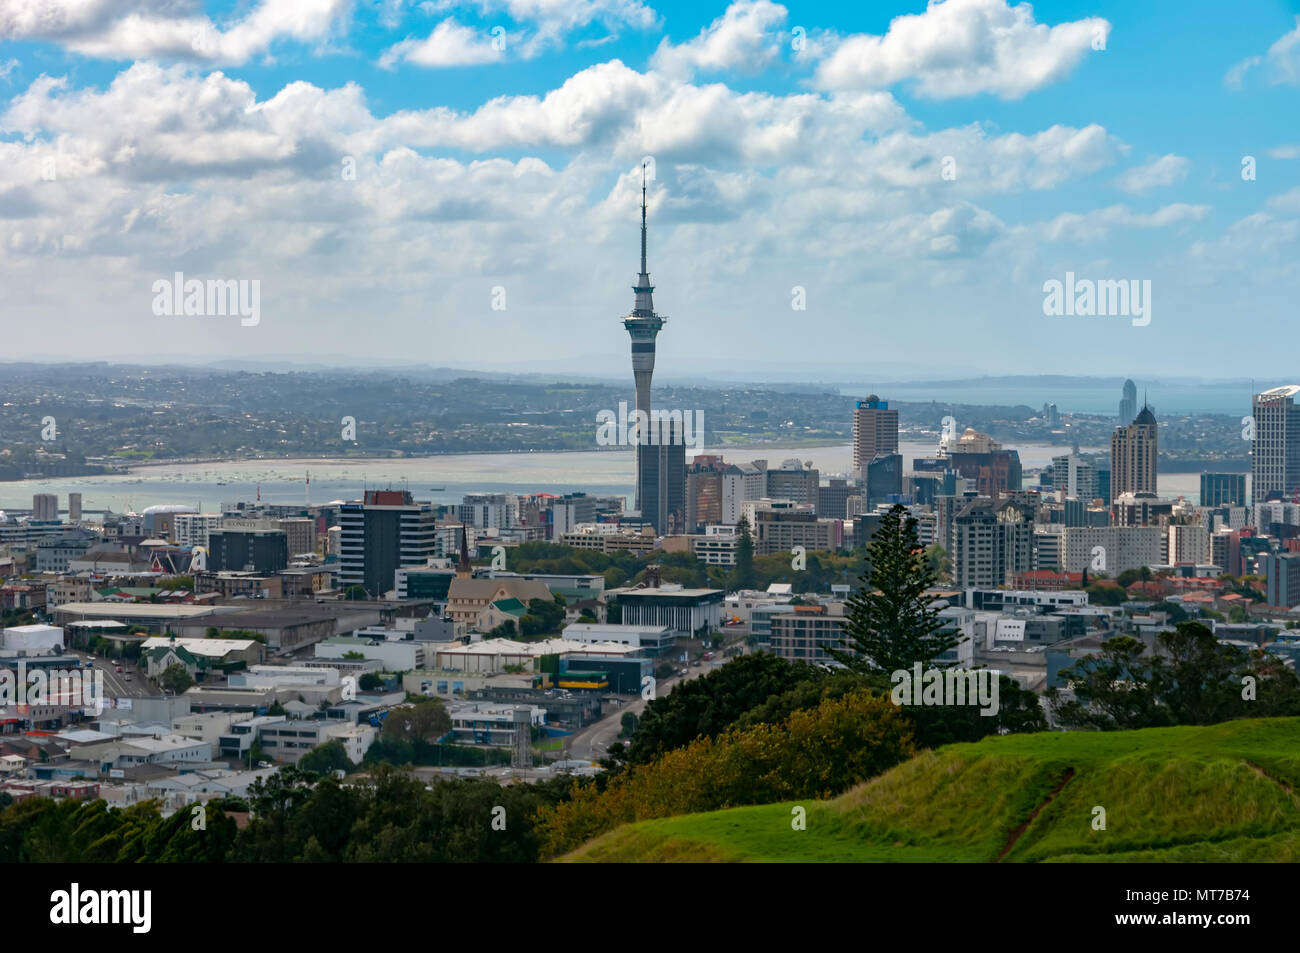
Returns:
<point x="815" y="753"/>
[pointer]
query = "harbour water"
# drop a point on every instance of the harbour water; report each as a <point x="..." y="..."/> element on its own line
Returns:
<point x="603" y="472"/>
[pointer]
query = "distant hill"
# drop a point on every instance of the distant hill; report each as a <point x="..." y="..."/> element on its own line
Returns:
<point x="1223" y="793"/>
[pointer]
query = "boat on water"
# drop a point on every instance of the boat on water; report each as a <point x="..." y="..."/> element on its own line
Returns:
<point x="437" y="489"/>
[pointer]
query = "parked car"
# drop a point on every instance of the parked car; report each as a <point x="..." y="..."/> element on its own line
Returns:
<point x="118" y="669"/>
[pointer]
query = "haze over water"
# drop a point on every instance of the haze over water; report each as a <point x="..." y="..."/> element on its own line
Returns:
<point x="283" y="481"/>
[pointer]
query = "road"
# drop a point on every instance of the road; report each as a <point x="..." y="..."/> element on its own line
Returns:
<point x="592" y="742"/>
<point x="115" y="685"/>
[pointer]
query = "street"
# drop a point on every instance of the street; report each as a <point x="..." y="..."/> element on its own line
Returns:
<point x="592" y="742"/>
<point x="115" y="685"/>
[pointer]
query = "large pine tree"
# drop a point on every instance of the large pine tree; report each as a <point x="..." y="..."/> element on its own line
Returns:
<point x="890" y="625"/>
<point x="743" y="577"/>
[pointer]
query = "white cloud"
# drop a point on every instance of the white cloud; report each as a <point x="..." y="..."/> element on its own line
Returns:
<point x="1099" y="223"/>
<point x="171" y="168"/>
<point x="742" y="38"/>
<point x="964" y="47"/>
<point x="1283" y="152"/>
<point x="1166" y="170"/>
<point x="169" y="29"/>
<point x="1281" y="63"/>
<point x="450" y="44"/>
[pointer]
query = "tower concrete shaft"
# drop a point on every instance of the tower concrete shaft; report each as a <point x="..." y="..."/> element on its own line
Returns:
<point x="643" y="326"/>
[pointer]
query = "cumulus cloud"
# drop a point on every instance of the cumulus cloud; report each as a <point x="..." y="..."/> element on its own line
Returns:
<point x="450" y="44"/>
<point x="1100" y="223"/>
<point x="169" y="29"/>
<point x="743" y="38"/>
<point x="1166" y="170"/>
<point x="1281" y="64"/>
<point x="962" y="48"/>
<point x="170" y="167"/>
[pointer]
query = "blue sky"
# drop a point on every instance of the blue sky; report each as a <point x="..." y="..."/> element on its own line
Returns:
<point x="141" y="139"/>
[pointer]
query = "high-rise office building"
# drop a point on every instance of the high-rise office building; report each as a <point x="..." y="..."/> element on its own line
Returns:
<point x="74" y="507"/>
<point x="1275" y="451"/>
<point x="1282" y="573"/>
<point x="1223" y="489"/>
<point x="248" y="550"/>
<point x="1075" y="476"/>
<point x="380" y="534"/>
<point x="990" y="542"/>
<point x="976" y="456"/>
<point x="794" y="482"/>
<point x="45" y="507"/>
<point x="1128" y="404"/>
<point x="875" y="432"/>
<point x="661" y="451"/>
<point x="833" y="499"/>
<point x="1133" y="456"/>
<point x="704" y="491"/>
<point x="883" y="478"/>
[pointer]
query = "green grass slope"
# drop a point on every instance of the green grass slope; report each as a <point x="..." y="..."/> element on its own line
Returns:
<point x="1228" y="792"/>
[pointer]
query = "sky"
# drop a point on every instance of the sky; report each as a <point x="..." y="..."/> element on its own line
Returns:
<point x="872" y="190"/>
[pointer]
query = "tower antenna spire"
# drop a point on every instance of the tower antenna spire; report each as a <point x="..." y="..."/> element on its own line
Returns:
<point x="643" y="261"/>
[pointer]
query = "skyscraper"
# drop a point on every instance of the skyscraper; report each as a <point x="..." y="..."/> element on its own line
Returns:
<point x="661" y="451"/>
<point x="1133" y="456"/>
<point x="1128" y="405"/>
<point x="45" y="507"/>
<point x="875" y="432"/>
<point x="1275" y="451"/>
<point x="380" y="534"/>
<point x="1075" y="476"/>
<point x="1223" y="489"/>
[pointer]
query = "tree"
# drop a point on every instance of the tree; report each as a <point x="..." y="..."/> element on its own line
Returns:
<point x="370" y="682"/>
<point x="1194" y="679"/>
<point x="743" y="575"/>
<point x="175" y="679"/>
<point x="710" y="704"/>
<point x="326" y="759"/>
<point x="426" y="721"/>
<point x="1100" y="595"/>
<point x="939" y="562"/>
<point x="1112" y="689"/>
<point x="890" y="624"/>
<point x="1129" y="576"/>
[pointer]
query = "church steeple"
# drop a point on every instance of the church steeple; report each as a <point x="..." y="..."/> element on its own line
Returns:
<point x="463" y="569"/>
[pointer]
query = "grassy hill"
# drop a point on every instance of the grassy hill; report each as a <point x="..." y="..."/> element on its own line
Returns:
<point x="1228" y="792"/>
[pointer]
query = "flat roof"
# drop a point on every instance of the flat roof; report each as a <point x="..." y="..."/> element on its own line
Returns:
<point x="677" y="593"/>
<point x="141" y="610"/>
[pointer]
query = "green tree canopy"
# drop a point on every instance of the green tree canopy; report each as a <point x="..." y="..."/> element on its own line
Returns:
<point x="890" y="624"/>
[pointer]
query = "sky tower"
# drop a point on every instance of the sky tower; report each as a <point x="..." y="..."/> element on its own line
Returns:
<point x="643" y="326"/>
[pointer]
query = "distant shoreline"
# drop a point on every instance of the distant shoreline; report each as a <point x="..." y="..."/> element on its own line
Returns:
<point x="377" y="458"/>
